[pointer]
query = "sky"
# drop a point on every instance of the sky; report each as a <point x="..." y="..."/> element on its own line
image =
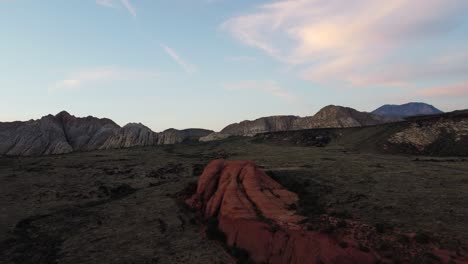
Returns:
<point x="208" y="63"/>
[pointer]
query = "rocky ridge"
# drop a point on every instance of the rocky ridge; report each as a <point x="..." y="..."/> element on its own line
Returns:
<point x="328" y="117"/>
<point x="255" y="214"/>
<point x="65" y="133"/>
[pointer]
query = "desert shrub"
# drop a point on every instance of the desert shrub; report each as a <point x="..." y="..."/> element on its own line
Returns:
<point x="363" y="248"/>
<point x="329" y="229"/>
<point x="341" y="224"/>
<point x="213" y="232"/>
<point x="343" y="244"/>
<point x="422" y="238"/>
<point x="343" y="214"/>
<point x="396" y="260"/>
<point x="404" y="239"/>
<point x="385" y="245"/>
<point x="380" y="227"/>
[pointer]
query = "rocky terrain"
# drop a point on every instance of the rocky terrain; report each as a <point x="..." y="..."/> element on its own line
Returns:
<point x="64" y="133"/>
<point x="252" y="213"/>
<point x="261" y="125"/>
<point x="127" y="205"/>
<point x="406" y="110"/>
<point x="435" y="135"/>
<point x="338" y="117"/>
<point x="328" y="117"/>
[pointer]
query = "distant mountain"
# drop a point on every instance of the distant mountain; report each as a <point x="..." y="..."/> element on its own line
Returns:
<point x="406" y="110"/>
<point x="260" y="125"/>
<point x="328" y="117"/>
<point x="432" y="135"/>
<point x="65" y="133"/>
<point x="333" y="116"/>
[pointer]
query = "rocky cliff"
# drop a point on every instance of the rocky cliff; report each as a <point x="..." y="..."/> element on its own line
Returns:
<point x="405" y="110"/>
<point x="130" y="135"/>
<point x="261" y="125"/>
<point x="337" y="117"/>
<point x="328" y="117"/>
<point x="64" y="133"/>
<point x="172" y="136"/>
<point x="252" y="213"/>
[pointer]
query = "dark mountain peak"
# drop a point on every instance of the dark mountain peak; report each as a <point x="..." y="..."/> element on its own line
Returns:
<point x="63" y="114"/>
<point x="334" y="110"/>
<point x="406" y="110"/>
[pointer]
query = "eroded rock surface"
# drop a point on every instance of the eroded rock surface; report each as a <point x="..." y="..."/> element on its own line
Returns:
<point x="261" y="125"/>
<point x="429" y="137"/>
<point x="173" y="136"/>
<point x="258" y="215"/>
<point x="254" y="212"/>
<point x="65" y="133"/>
<point x="331" y="116"/>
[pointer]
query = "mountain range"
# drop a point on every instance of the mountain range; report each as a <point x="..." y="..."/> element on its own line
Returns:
<point x="328" y="117"/>
<point x="65" y="133"/>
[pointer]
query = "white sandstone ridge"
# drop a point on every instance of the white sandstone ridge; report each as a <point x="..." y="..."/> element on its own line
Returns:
<point x="328" y="117"/>
<point x="65" y="133"/>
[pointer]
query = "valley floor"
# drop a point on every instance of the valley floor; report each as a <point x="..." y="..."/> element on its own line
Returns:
<point x="121" y="206"/>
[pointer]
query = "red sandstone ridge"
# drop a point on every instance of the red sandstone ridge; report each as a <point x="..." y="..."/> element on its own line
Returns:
<point x="252" y="210"/>
<point x="256" y="214"/>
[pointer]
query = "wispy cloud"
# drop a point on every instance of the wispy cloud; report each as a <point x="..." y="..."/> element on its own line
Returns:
<point x="268" y="86"/>
<point x="189" y="68"/>
<point x="81" y="78"/>
<point x="450" y="90"/>
<point x="351" y="42"/>
<point x="116" y="3"/>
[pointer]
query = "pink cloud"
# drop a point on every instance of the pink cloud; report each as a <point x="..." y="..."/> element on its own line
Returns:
<point x="350" y="41"/>
<point x="451" y="90"/>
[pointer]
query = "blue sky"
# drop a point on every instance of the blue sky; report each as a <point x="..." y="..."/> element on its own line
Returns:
<point x="208" y="63"/>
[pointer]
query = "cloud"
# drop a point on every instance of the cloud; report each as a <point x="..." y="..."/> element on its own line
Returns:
<point x="268" y="86"/>
<point x="78" y="79"/>
<point x="116" y="3"/>
<point x="189" y="68"/>
<point x="356" y="42"/>
<point x="450" y="90"/>
<point x="131" y="9"/>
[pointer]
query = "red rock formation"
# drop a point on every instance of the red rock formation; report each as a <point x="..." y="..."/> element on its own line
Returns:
<point x="252" y="210"/>
<point x="255" y="213"/>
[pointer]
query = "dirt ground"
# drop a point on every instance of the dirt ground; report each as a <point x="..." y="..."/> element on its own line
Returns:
<point x="120" y="206"/>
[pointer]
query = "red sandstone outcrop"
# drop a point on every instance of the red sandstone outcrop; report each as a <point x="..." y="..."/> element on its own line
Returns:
<point x="252" y="210"/>
<point x="257" y="214"/>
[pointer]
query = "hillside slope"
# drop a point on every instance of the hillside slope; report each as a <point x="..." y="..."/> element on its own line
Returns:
<point x="65" y="133"/>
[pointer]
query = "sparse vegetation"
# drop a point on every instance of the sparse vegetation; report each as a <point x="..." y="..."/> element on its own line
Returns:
<point x="95" y="199"/>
